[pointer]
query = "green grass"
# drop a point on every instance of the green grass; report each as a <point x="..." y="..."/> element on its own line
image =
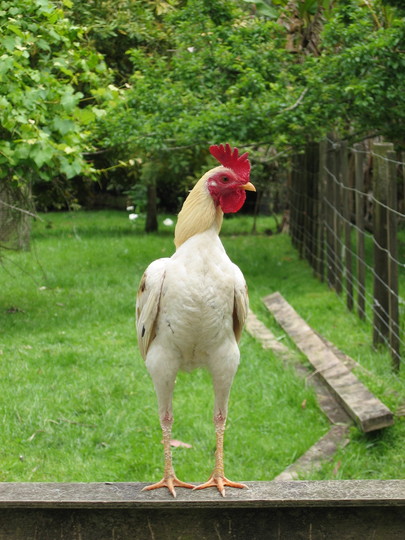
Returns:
<point x="77" y="403"/>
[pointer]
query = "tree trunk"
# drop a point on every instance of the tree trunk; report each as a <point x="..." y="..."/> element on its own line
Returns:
<point x="16" y="212"/>
<point x="151" y="224"/>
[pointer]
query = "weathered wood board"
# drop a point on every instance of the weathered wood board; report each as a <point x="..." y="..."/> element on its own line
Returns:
<point x="337" y="437"/>
<point x="365" y="409"/>
<point x="317" y="454"/>
<point x="326" y="400"/>
<point x="341" y="510"/>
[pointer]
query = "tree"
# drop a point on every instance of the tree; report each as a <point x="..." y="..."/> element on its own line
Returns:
<point x="113" y="27"/>
<point x="48" y="89"/>
<point x="283" y="77"/>
<point x="356" y="85"/>
<point x="270" y="74"/>
<point x="221" y="77"/>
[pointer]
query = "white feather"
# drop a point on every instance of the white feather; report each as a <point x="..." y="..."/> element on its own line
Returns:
<point x="187" y="310"/>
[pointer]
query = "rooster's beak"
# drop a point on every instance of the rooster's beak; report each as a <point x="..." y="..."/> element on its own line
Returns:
<point x="249" y="187"/>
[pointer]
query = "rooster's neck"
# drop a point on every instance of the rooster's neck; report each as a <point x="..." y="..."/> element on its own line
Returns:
<point x="198" y="214"/>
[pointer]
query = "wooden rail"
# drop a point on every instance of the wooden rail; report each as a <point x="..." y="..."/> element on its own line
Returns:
<point x="365" y="409"/>
<point x="355" y="509"/>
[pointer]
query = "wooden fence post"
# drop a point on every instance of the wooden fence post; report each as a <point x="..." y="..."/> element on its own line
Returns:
<point x="403" y="179"/>
<point x="297" y="205"/>
<point x="324" y="194"/>
<point x="347" y="211"/>
<point x="306" y="207"/>
<point x="392" y="242"/>
<point x="329" y="205"/>
<point x="302" y="202"/>
<point x="322" y="176"/>
<point x="337" y="220"/>
<point x="380" y="191"/>
<point x="311" y="207"/>
<point x="291" y="198"/>
<point x="360" y="200"/>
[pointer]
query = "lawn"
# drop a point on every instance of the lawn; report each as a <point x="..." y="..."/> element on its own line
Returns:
<point x="78" y="405"/>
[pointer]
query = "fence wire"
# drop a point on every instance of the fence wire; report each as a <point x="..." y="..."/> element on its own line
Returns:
<point x="324" y="228"/>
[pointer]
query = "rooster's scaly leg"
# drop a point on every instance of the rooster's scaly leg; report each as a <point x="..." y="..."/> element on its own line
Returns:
<point x="217" y="478"/>
<point x="222" y="381"/>
<point x="169" y="479"/>
<point x="164" y="394"/>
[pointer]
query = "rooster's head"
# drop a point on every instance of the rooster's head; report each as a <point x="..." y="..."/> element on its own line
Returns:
<point x="228" y="183"/>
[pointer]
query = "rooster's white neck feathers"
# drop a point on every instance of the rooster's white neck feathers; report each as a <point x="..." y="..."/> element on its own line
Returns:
<point x="199" y="212"/>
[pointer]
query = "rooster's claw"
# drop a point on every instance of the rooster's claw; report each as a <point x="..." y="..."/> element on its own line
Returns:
<point x="170" y="483"/>
<point x="220" y="482"/>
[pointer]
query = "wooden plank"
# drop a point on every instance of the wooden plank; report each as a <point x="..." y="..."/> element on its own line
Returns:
<point x="365" y="409"/>
<point x="326" y="400"/>
<point x="273" y="510"/>
<point x="336" y="437"/>
<point x="268" y="340"/>
<point x="315" y="457"/>
<point x="103" y="495"/>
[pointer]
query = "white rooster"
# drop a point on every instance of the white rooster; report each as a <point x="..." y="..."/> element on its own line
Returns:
<point x="191" y="307"/>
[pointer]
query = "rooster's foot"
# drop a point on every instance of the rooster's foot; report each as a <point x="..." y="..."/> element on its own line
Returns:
<point x="220" y="482"/>
<point x="170" y="483"/>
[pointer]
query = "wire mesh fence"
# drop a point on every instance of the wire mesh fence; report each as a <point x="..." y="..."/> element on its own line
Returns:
<point x="347" y="219"/>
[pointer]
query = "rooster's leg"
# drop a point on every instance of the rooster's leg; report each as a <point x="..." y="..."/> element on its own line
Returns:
<point x="169" y="479"/>
<point x="217" y="478"/>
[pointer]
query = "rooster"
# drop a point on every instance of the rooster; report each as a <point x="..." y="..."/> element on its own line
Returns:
<point x="191" y="307"/>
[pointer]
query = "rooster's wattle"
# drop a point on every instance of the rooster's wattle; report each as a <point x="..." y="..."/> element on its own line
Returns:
<point x="191" y="307"/>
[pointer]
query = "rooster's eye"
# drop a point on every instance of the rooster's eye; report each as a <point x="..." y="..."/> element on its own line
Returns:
<point x="225" y="179"/>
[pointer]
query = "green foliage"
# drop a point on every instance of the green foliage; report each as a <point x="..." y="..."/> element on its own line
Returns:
<point x="226" y="75"/>
<point x="226" y="71"/>
<point x="189" y="74"/>
<point x="137" y="196"/>
<point x="46" y="78"/>
<point x="216" y="82"/>
<point x="366" y="96"/>
<point x="113" y="27"/>
<point x="399" y="4"/>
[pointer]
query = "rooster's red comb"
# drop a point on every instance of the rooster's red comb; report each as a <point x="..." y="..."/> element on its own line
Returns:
<point x="232" y="160"/>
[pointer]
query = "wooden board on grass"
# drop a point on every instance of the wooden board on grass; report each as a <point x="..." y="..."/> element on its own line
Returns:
<point x="365" y="409"/>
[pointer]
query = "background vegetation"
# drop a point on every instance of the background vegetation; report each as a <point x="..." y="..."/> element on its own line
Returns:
<point x="78" y="405"/>
<point x="122" y="98"/>
<point x="132" y="93"/>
